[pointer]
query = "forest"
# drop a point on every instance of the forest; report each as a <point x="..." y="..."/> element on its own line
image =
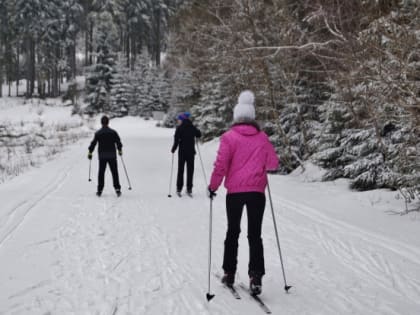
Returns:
<point x="337" y="82"/>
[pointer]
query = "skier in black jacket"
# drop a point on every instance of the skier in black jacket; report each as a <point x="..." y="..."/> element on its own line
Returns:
<point x="108" y="140"/>
<point x="184" y="138"/>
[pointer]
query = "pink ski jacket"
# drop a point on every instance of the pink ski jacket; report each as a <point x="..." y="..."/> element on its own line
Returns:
<point x="244" y="156"/>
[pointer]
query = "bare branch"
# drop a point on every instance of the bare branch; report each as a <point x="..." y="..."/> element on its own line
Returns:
<point x="311" y="45"/>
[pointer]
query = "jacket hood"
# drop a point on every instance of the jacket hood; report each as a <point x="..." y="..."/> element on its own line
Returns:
<point x="246" y="129"/>
<point x="186" y="121"/>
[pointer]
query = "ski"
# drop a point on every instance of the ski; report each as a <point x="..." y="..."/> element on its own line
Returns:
<point x="256" y="298"/>
<point x="231" y="289"/>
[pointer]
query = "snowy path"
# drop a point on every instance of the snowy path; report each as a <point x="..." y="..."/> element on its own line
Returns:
<point x="65" y="251"/>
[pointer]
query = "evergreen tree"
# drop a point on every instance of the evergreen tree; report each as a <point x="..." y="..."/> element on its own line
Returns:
<point x="99" y="79"/>
<point x="151" y="88"/>
<point x="29" y="14"/>
<point x="335" y="81"/>
<point x="213" y="110"/>
<point x="4" y="31"/>
<point x="122" y="90"/>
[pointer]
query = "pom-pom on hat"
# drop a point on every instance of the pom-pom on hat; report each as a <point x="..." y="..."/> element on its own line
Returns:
<point x="245" y="109"/>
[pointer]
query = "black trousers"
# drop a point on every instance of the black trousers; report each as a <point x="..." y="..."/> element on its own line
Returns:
<point x="255" y="204"/>
<point x="182" y="160"/>
<point x="114" y="171"/>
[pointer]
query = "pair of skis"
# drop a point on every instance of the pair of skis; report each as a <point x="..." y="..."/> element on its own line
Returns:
<point x="256" y="298"/>
<point x="180" y="195"/>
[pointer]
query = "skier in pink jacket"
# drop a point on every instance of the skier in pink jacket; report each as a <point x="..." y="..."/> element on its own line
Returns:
<point x="245" y="155"/>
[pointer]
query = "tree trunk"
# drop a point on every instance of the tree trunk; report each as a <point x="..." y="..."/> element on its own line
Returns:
<point x="54" y="84"/>
<point x="1" y="66"/>
<point x="41" y="82"/>
<point x="86" y="48"/>
<point x="30" y="83"/>
<point x="72" y="60"/>
<point x="139" y="41"/>
<point x="28" y="66"/>
<point x="9" y="63"/>
<point x="17" y="68"/>
<point x="60" y="82"/>
<point x="157" y="43"/>
<point x="49" y="82"/>
<point x="121" y="31"/>
<point x="133" y="51"/>
<point x="90" y="43"/>
<point x="33" y="64"/>
<point x="127" y="46"/>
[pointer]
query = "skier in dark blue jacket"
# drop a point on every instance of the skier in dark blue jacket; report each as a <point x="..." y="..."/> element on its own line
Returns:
<point x="184" y="141"/>
<point x="108" y="142"/>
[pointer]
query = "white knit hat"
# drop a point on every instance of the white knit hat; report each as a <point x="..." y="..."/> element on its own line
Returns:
<point x="245" y="109"/>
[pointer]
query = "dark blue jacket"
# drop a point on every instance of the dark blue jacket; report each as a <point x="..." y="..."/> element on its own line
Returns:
<point x="185" y="135"/>
<point x="108" y="141"/>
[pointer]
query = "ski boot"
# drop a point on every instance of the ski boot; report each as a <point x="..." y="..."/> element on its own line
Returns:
<point x="98" y="193"/>
<point x="228" y="279"/>
<point x="255" y="283"/>
<point x="118" y="192"/>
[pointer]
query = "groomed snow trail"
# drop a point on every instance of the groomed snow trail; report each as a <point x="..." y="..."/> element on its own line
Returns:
<point x="65" y="251"/>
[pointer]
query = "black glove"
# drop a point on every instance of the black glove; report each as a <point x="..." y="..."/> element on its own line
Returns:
<point x="211" y="193"/>
<point x="119" y="152"/>
<point x="90" y="155"/>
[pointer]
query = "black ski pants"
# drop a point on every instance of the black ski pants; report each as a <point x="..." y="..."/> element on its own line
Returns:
<point x="255" y="204"/>
<point x="182" y="160"/>
<point x="114" y="171"/>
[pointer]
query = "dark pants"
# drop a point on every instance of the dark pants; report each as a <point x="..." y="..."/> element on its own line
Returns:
<point x="255" y="204"/>
<point x="114" y="170"/>
<point x="182" y="160"/>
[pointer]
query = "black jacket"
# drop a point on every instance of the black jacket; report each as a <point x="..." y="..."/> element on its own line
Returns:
<point x="185" y="135"/>
<point x="107" y="139"/>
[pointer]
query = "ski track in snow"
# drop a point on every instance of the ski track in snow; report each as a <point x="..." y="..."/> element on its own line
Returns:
<point x="138" y="277"/>
<point x="15" y="217"/>
<point x="144" y="253"/>
<point x="373" y="261"/>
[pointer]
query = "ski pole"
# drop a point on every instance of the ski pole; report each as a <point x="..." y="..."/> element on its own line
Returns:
<point x="129" y="185"/>
<point x="170" y="181"/>
<point x="209" y="295"/>
<point x="90" y="167"/>
<point x="286" y="287"/>
<point x="202" y="166"/>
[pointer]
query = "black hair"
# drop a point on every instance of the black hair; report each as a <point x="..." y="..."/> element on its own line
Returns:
<point x="105" y="120"/>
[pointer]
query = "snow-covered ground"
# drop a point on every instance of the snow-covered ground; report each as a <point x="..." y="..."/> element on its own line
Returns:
<point x="65" y="251"/>
<point x="34" y="130"/>
<point x="21" y="89"/>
